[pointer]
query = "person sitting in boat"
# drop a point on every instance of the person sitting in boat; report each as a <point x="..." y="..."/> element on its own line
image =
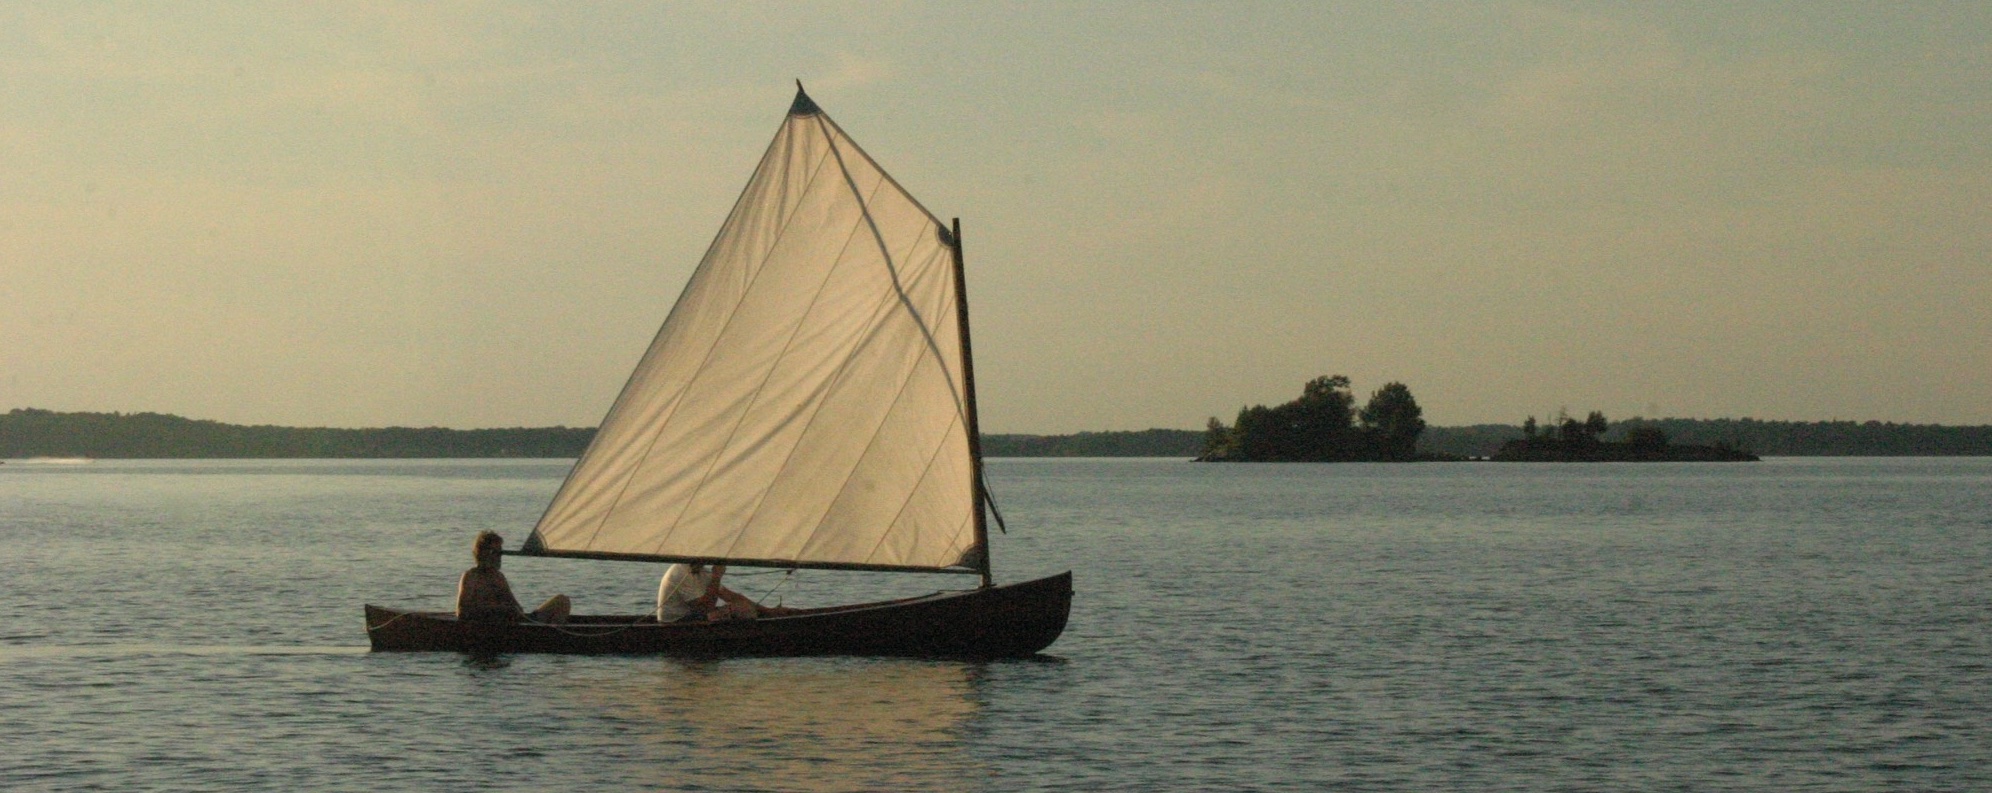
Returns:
<point x="483" y="594"/>
<point x="693" y="592"/>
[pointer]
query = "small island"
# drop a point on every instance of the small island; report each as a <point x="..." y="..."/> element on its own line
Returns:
<point x="1573" y="441"/>
<point x="1322" y="427"/>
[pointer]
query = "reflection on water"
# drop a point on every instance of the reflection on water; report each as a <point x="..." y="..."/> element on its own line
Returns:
<point x="1809" y="625"/>
<point x="833" y="724"/>
<point x="15" y="653"/>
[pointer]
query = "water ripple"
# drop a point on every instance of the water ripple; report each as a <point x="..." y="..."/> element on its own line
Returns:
<point x="1795" y="625"/>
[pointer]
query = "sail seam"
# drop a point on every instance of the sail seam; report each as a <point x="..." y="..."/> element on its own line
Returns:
<point x="912" y="311"/>
<point x="787" y="344"/>
<point x="872" y="442"/>
<point x="925" y="470"/>
<point x="816" y="409"/>
<point x="587" y="454"/>
<point x="788" y="215"/>
<point x="830" y="388"/>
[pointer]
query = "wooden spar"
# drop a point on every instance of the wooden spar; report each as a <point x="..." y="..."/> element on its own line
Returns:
<point x="968" y="393"/>
<point x="778" y="564"/>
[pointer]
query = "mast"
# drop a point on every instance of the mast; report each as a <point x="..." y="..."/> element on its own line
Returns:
<point x="968" y="392"/>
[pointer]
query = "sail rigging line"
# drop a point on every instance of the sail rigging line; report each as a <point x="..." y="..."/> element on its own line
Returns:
<point x="884" y="307"/>
<point x="787" y="216"/>
<point x="868" y="223"/>
<point x="876" y="315"/>
<point x="898" y="288"/>
<point x="990" y="497"/>
<point x="788" y="576"/>
<point x="755" y="398"/>
<point x="860" y="150"/>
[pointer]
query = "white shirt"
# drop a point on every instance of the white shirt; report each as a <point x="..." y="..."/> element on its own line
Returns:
<point x="679" y="588"/>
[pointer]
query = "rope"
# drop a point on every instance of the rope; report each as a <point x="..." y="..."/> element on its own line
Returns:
<point x="397" y="618"/>
<point x="787" y="577"/>
<point x="560" y="628"/>
<point x="989" y="496"/>
<point x="563" y="629"/>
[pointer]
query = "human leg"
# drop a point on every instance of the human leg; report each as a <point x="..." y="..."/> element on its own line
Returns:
<point x="554" y="611"/>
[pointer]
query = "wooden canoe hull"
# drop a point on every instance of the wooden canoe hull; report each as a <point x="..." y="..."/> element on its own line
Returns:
<point x="998" y="622"/>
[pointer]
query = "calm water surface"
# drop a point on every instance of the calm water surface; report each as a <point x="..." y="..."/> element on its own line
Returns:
<point x="1789" y="625"/>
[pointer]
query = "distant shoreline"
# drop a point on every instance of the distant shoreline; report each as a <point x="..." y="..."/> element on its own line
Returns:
<point x="1550" y="450"/>
<point x="28" y="433"/>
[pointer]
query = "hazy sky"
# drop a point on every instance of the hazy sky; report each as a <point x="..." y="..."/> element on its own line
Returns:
<point x="477" y="215"/>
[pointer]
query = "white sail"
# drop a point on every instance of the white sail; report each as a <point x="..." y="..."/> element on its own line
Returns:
<point x="804" y="403"/>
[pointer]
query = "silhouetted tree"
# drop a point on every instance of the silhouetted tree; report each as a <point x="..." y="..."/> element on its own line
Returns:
<point x="1392" y="422"/>
<point x="1581" y="433"/>
<point x="1319" y="427"/>
<point x="1217" y="442"/>
<point x="1646" y="438"/>
<point x="1321" y="424"/>
<point x="1255" y="435"/>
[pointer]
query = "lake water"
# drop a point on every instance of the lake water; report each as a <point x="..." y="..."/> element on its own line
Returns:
<point x="1797" y="624"/>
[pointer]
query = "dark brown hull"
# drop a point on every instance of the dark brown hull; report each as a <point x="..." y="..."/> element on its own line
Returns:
<point x="997" y="622"/>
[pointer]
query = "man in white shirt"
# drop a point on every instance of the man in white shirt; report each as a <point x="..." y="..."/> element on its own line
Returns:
<point x="693" y="592"/>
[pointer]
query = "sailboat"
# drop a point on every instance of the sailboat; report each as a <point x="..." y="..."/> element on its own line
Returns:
<point x="809" y="403"/>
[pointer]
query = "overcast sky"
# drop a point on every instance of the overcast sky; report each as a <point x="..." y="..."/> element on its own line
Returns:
<point x="476" y="215"/>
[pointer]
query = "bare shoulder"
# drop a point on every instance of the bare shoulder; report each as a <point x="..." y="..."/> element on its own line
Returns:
<point x="482" y="578"/>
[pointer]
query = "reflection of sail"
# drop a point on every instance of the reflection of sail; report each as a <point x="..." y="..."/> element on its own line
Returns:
<point x="822" y="725"/>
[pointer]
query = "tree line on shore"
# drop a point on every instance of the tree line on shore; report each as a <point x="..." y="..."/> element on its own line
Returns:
<point x="1768" y="438"/>
<point x="28" y="432"/>
<point x="1570" y="440"/>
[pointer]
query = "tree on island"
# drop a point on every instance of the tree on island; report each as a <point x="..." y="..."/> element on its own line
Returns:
<point x="1646" y="438"/>
<point x="1321" y="426"/>
<point x="1392" y="421"/>
<point x="1570" y="440"/>
<point x="1569" y="431"/>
